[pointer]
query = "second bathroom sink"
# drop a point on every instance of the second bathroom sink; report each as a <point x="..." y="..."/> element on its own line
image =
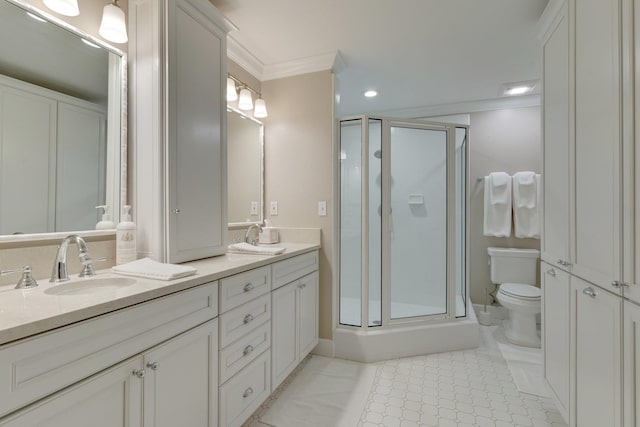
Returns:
<point x="90" y="286"/>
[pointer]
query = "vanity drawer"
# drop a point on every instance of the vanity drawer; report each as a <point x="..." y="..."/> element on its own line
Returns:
<point x="36" y="367"/>
<point x="287" y="271"/>
<point x="236" y="323"/>
<point x="239" y="354"/>
<point x="245" y="392"/>
<point x="243" y="287"/>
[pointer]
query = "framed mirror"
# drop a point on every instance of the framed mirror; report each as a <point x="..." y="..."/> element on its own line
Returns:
<point x="245" y="175"/>
<point x="62" y="126"/>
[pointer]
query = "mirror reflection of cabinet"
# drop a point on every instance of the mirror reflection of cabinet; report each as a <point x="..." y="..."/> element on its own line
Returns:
<point x="245" y="168"/>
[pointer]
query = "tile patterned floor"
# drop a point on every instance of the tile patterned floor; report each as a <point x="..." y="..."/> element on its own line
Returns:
<point x="455" y="389"/>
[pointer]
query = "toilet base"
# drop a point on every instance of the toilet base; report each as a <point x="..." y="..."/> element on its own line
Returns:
<point x="522" y="333"/>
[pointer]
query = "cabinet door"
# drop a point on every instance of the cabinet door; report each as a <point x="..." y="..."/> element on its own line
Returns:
<point x="197" y="197"/>
<point x="110" y="399"/>
<point x="181" y="382"/>
<point x="557" y="147"/>
<point x="27" y="157"/>
<point x="597" y="141"/>
<point x="596" y="322"/>
<point x="556" y="313"/>
<point x="307" y="314"/>
<point x="631" y="364"/>
<point x="284" y="347"/>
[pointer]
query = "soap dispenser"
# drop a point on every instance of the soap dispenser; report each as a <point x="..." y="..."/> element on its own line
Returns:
<point x="106" y="223"/>
<point x="125" y="238"/>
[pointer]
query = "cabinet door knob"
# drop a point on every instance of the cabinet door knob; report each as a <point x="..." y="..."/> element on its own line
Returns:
<point x="589" y="291"/>
<point x="248" y="287"/>
<point x="248" y="318"/>
<point x="138" y="373"/>
<point x="248" y="392"/>
<point x="176" y="211"/>
<point x="619" y="284"/>
<point x="247" y="350"/>
<point x="153" y="366"/>
<point x="551" y="272"/>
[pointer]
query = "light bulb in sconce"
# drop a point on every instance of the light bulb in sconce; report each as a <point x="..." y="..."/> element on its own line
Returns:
<point x="232" y="93"/>
<point x="245" y="102"/>
<point x="260" y="110"/>
<point x="63" y="7"/>
<point x="113" y="26"/>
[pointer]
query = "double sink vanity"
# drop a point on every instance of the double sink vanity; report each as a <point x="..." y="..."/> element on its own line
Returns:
<point x="110" y="350"/>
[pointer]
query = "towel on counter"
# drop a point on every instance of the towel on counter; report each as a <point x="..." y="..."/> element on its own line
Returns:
<point x="497" y="204"/>
<point x="527" y="203"/>
<point x="151" y="269"/>
<point x="246" y="248"/>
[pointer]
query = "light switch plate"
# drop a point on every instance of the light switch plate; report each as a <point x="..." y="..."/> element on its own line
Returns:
<point x="254" y="208"/>
<point x="274" y="208"/>
<point x="322" y="208"/>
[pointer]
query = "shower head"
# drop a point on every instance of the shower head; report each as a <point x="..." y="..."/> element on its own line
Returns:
<point x="377" y="154"/>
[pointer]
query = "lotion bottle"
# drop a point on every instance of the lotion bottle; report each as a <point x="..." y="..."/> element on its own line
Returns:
<point x="125" y="238"/>
<point x="106" y="223"/>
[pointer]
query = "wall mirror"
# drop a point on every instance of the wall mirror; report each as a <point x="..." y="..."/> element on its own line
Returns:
<point x="245" y="139"/>
<point x="62" y="111"/>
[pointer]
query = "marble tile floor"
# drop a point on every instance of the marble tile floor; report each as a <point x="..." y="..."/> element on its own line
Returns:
<point x="455" y="389"/>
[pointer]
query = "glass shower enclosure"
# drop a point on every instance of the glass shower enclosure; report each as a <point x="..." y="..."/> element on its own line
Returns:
<point x="403" y="222"/>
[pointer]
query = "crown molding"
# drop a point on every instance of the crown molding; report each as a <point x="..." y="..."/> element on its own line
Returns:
<point x="549" y="16"/>
<point x="241" y="56"/>
<point x="466" y="107"/>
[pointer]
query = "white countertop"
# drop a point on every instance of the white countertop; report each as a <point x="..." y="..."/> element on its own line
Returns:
<point x="32" y="311"/>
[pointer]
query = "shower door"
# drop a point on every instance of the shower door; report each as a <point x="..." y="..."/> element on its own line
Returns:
<point x="416" y="180"/>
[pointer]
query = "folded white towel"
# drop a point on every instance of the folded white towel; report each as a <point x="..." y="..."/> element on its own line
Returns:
<point x="151" y="269"/>
<point x="524" y="190"/>
<point x="500" y="188"/>
<point x="246" y="248"/>
<point x="497" y="216"/>
<point x="527" y="215"/>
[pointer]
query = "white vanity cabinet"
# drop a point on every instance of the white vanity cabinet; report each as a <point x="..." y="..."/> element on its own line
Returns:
<point x="556" y="315"/>
<point x="52" y="365"/>
<point x="177" y="52"/>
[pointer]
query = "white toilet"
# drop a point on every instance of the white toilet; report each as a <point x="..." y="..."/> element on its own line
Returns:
<point x="515" y="271"/>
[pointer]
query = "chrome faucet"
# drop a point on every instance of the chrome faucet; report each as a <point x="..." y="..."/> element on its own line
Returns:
<point x="247" y="235"/>
<point x="59" y="273"/>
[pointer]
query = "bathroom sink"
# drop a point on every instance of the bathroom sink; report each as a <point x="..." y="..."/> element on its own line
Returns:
<point x="90" y="286"/>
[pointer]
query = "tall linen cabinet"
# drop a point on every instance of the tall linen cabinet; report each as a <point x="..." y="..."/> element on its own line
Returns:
<point x="177" y="119"/>
<point x="589" y="238"/>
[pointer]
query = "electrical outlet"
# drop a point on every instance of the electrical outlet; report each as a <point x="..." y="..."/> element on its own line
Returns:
<point x="274" y="208"/>
<point x="322" y="208"/>
<point x="254" y="208"/>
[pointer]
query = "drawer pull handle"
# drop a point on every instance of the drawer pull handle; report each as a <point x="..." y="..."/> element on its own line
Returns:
<point x="589" y="291"/>
<point x="248" y="392"/>
<point x="248" y="287"/>
<point x="153" y="366"/>
<point x="551" y="272"/>
<point x="248" y="350"/>
<point x="248" y="318"/>
<point x="138" y="373"/>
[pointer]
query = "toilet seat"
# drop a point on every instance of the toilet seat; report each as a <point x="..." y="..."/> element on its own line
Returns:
<point x="521" y="291"/>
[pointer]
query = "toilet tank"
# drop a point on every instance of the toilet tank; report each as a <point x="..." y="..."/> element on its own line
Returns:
<point x="510" y="265"/>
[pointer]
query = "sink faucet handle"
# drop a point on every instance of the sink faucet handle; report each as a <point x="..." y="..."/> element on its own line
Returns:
<point x="87" y="269"/>
<point x="26" y="281"/>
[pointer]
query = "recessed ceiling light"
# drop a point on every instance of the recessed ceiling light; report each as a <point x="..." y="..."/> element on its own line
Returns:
<point x="371" y="93"/>
<point x="36" y="17"/>
<point x="519" y="88"/>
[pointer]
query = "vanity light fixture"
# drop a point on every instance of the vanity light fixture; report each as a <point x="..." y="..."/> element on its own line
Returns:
<point x="113" y="26"/>
<point x="63" y="7"/>
<point x="245" y="101"/>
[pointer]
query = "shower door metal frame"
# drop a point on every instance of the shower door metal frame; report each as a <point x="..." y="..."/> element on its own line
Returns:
<point x="387" y="322"/>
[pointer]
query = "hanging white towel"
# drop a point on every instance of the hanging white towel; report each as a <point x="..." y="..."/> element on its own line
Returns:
<point x="151" y="269"/>
<point x="527" y="203"/>
<point x="497" y="204"/>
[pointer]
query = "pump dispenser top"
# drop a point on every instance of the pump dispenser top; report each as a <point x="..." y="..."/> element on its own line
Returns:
<point x="125" y="238"/>
<point x="106" y="223"/>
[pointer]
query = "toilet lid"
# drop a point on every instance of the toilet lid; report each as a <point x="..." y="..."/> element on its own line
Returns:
<point x="520" y="290"/>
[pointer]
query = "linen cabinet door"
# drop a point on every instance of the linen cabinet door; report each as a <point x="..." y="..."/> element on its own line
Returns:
<point x="284" y="330"/>
<point x="557" y="146"/>
<point x="197" y="196"/>
<point x="112" y="398"/>
<point x="181" y="381"/>
<point x="308" y="314"/>
<point x="556" y="314"/>
<point x="631" y="358"/>
<point x="596" y="352"/>
<point x="598" y="141"/>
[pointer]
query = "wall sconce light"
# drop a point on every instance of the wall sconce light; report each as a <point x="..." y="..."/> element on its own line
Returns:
<point x="113" y="26"/>
<point x="63" y="7"/>
<point x="245" y="101"/>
